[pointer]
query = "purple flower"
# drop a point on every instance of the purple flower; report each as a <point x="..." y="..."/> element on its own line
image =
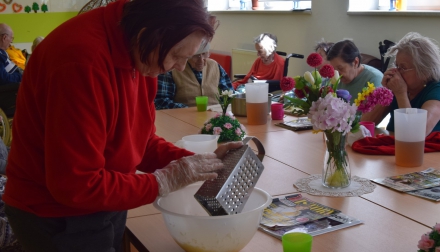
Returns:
<point x="344" y="94"/>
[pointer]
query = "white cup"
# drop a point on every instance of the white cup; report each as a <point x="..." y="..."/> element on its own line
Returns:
<point x="200" y="143"/>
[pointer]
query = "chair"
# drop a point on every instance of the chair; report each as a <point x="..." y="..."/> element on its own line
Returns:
<point x="224" y="60"/>
<point x="5" y="128"/>
<point x="274" y="85"/>
<point x="371" y="61"/>
<point x="383" y="48"/>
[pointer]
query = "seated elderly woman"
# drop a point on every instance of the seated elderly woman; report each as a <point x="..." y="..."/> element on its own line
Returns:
<point x="345" y="57"/>
<point x="269" y="65"/>
<point x="414" y="80"/>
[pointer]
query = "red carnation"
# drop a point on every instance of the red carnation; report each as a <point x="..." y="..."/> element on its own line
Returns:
<point x="287" y="83"/>
<point x="314" y="60"/>
<point x="328" y="89"/>
<point x="300" y="92"/>
<point x="327" y="71"/>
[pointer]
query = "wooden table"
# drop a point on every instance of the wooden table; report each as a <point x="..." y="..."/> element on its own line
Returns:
<point x="393" y="221"/>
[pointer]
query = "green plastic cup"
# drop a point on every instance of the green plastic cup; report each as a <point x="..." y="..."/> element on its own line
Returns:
<point x="297" y="242"/>
<point x="202" y="103"/>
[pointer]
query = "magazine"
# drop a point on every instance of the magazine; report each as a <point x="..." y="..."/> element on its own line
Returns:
<point x="293" y="210"/>
<point x="412" y="181"/>
<point x="316" y="227"/>
<point x="430" y="193"/>
<point x="302" y="123"/>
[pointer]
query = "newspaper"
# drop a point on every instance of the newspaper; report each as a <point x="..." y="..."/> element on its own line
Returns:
<point x="412" y="181"/>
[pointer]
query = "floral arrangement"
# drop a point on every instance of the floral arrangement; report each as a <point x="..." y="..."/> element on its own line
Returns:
<point x="430" y="242"/>
<point x="310" y="86"/>
<point x="371" y="96"/>
<point x="224" y="125"/>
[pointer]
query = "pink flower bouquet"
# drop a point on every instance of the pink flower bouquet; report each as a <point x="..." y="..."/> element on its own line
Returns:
<point x="430" y="242"/>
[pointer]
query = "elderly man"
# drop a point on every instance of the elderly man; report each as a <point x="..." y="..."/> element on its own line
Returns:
<point x="202" y="76"/>
<point x="9" y="71"/>
<point x="10" y="74"/>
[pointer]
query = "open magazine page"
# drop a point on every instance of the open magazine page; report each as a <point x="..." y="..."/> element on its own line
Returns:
<point x="302" y="123"/>
<point x="430" y="193"/>
<point x="292" y="210"/>
<point x="316" y="227"/>
<point x="412" y="181"/>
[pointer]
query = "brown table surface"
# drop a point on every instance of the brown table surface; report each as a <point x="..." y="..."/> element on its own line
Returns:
<point x="393" y="221"/>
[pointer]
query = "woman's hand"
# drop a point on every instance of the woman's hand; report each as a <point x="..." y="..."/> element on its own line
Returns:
<point x="393" y="80"/>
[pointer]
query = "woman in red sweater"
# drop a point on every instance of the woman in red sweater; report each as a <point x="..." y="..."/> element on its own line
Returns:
<point x="84" y="124"/>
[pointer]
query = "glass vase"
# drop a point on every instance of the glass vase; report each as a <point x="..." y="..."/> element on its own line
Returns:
<point x="336" y="172"/>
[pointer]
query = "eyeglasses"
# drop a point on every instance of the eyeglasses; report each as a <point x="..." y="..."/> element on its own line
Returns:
<point x="201" y="56"/>
<point x="12" y="38"/>
<point x="401" y="69"/>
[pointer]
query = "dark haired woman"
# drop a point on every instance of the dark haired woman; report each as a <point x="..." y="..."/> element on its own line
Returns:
<point x="345" y="57"/>
<point x="84" y="124"/>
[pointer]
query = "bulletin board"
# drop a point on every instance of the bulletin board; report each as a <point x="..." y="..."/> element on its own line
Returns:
<point x="40" y="6"/>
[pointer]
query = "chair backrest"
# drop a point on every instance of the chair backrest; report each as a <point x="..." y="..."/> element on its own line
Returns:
<point x="371" y="61"/>
<point x="224" y="60"/>
<point x="383" y="48"/>
<point x="288" y="56"/>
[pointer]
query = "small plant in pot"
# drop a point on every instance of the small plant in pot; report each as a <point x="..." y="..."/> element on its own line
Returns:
<point x="225" y="124"/>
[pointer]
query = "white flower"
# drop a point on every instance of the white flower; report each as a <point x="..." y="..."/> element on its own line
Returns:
<point x="309" y="78"/>
<point x="335" y="77"/>
<point x="229" y="93"/>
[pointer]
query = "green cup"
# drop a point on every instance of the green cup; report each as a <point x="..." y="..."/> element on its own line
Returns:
<point x="297" y="242"/>
<point x="202" y="103"/>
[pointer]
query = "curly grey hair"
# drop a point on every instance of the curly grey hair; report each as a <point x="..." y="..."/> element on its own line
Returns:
<point x="267" y="41"/>
<point x="424" y="52"/>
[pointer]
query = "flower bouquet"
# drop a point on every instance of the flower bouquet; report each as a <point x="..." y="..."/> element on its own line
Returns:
<point x="430" y="242"/>
<point x="225" y="125"/>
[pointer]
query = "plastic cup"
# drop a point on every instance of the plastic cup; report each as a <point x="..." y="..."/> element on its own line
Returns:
<point x="409" y="135"/>
<point x="256" y="103"/>
<point x="277" y="111"/>
<point x="199" y="144"/>
<point x="370" y="126"/>
<point x="202" y="103"/>
<point x="297" y="242"/>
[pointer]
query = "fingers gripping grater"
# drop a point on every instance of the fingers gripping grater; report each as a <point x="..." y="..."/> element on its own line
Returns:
<point x="228" y="193"/>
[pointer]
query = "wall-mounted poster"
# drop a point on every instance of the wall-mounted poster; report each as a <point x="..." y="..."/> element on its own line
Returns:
<point x="40" y="6"/>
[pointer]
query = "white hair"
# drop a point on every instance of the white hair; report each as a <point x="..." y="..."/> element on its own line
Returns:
<point x="267" y="41"/>
<point x="425" y="54"/>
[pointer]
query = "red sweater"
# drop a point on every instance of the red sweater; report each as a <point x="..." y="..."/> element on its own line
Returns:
<point x="84" y="123"/>
<point x="273" y="71"/>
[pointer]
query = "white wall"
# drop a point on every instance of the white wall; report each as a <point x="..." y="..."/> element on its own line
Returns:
<point x="298" y="33"/>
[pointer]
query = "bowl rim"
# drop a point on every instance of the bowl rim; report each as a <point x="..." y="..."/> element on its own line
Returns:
<point x="260" y="208"/>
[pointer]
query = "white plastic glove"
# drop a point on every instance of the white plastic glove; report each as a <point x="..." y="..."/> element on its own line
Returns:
<point x="362" y="133"/>
<point x="187" y="170"/>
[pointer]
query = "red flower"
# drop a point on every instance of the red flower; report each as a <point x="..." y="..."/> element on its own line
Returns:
<point x="327" y="89"/>
<point x="300" y="92"/>
<point x="314" y="60"/>
<point x="287" y="83"/>
<point x="327" y="71"/>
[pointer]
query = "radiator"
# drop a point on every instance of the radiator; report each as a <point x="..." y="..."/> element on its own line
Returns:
<point x="242" y="61"/>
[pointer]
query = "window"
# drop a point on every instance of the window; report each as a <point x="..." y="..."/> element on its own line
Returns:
<point x="280" y="5"/>
<point x="389" y="5"/>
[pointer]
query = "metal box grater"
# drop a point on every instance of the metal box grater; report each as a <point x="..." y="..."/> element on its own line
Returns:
<point x="228" y="193"/>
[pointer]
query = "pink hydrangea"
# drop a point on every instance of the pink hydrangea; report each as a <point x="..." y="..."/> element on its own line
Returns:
<point x="217" y="130"/>
<point x="332" y="113"/>
<point x="227" y="125"/>
<point x="238" y="131"/>
<point x="208" y="126"/>
<point x="425" y="243"/>
<point x="314" y="59"/>
<point x="327" y="71"/>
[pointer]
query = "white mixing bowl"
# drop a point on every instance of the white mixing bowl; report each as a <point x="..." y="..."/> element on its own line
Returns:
<point x="194" y="230"/>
